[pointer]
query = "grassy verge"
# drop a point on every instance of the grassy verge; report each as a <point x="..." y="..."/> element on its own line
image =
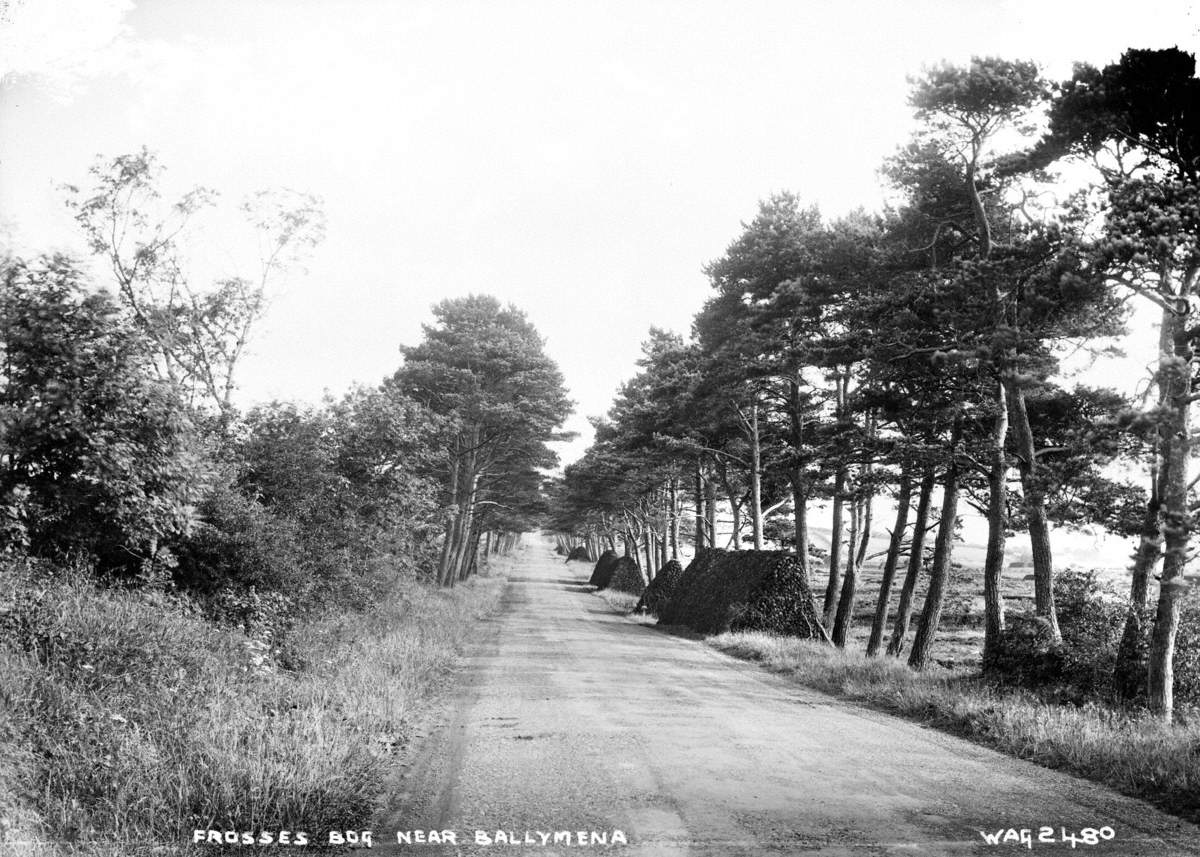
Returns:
<point x="621" y="601"/>
<point x="1132" y="753"/>
<point x="128" y="721"/>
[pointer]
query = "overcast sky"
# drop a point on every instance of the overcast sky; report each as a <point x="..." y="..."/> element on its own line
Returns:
<point x="581" y="160"/>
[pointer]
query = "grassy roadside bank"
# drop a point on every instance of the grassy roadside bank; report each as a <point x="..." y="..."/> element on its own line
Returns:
<point x="127" y="721"/>
<point x="1134" y="754"/>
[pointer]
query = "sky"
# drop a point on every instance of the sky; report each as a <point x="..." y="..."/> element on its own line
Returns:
<point x="581" y="160"/>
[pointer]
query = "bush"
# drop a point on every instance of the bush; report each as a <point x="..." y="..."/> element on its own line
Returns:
<point x="602" y="573"/>
<point x="1187" y="650"/>
<point x="1091" y="619"/>
<point x="744" y="590"/>
<point x="238" y="544"/>
<point x="661" y="588"/>
<point x="100" y="457"/>
<point x="627" y="577"/>
<point x="1025" y="654"/>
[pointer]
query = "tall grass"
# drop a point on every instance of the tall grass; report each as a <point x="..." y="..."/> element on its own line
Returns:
<point x="141" y="721"/>
<point x="1129" y="751"/>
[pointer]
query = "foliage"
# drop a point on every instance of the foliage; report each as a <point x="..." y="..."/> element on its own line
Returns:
<point x="627" y="577"/>
<point x="145" y="721"/>
<point x="199" y="335"/>
<point x="603" y="572"/>
<point x="482" y="369"/>
<point x="661" y="589"/>
<point x="99" y="456"/>
<point x="744" y="590"/>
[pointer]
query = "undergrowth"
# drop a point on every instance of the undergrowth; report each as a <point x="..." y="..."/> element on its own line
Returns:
<point x="131" y="721"/>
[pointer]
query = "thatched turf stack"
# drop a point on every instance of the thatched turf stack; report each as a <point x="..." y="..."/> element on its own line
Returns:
<point x="661" y="588"/>
<point x="579" y="552"/>
<point x="603" y="571"/>
<point x="627" y="577"/>
<point x="744" y="591"/>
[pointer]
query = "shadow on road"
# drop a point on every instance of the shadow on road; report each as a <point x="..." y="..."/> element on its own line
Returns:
<point x="569" y="583"/>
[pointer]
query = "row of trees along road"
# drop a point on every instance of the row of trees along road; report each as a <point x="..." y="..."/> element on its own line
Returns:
<point x="122" y="447"/>
<point x="916" y="352"/>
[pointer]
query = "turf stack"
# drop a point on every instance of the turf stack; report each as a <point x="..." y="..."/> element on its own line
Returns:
<point x="661" y="588"/>
<point x="603" y="571"/>
<point x="627" y="577"/>
<point x="744" y="591"/>
<point x="579" y="553"/>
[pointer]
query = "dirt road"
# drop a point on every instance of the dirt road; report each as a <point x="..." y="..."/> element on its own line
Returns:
<point x="572" y="718"/>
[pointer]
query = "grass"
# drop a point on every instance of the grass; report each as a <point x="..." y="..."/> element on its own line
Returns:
<point x="623" y="602"/>
<point x="1130" y="752"/>
<point x="141" y="722"/>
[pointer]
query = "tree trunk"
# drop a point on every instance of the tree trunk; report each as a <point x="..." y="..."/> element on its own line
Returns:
<point x="997" y="520"/>
<point x="835" y="545"/>
<point x="460" y="557"/>
<point x="800" y="516"/>
<point x="1175" y="378"/>
<point x="903" y="504"/>
<point x="756" y="516"/>
<point x="931" y="614"/>
<point x="735" y="506"/>
<point x="710" y="501"/>
<point x="1035" y="510"/>
<point x="800" y="488"/>
<point x="699" y="487"/>
<point x="451" y="518"/>
<point x="472" y="555"/>
<point x="845" y="605"/>
<point x="1129" y="671"/>
<point x="916" y="559"/>
<point x="674" y="501"/>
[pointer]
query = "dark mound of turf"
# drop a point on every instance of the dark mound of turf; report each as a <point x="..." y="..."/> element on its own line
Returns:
<point x="560" y="550"/>
<point x="627" y="577"/>
<point x="661" y="588"/>
<point x="579" y="553"/>
<point x="603" y="571"/>
<point x="744" y="591"/>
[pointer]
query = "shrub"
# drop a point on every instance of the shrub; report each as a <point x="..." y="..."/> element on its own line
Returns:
<point x="1025" y="654"/>
<point x="661" y="588"/>
<point x="239" y="544"/>
<point x="1187" y="650"/>
<point x="745" y="590"/>
<point x="1091" y="618"/>
<point x="99" y="455"/>
<point x="627" y="577"/>
<point x="602" y="573"/>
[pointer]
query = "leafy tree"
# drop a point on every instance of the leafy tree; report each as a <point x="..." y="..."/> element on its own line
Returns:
<point x="482" y="368"/>
<point x="1135" y="121"/>
<point x="98" y="457"/>
<point x="199" y="334"/>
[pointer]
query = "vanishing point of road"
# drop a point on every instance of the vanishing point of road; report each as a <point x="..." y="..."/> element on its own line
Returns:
<point x="567" y="716"/>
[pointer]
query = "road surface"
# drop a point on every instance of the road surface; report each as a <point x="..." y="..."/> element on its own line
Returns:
<point x="571" y="719"/>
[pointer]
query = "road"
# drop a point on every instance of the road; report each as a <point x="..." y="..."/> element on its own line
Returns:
<point x="570" y="717"/>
